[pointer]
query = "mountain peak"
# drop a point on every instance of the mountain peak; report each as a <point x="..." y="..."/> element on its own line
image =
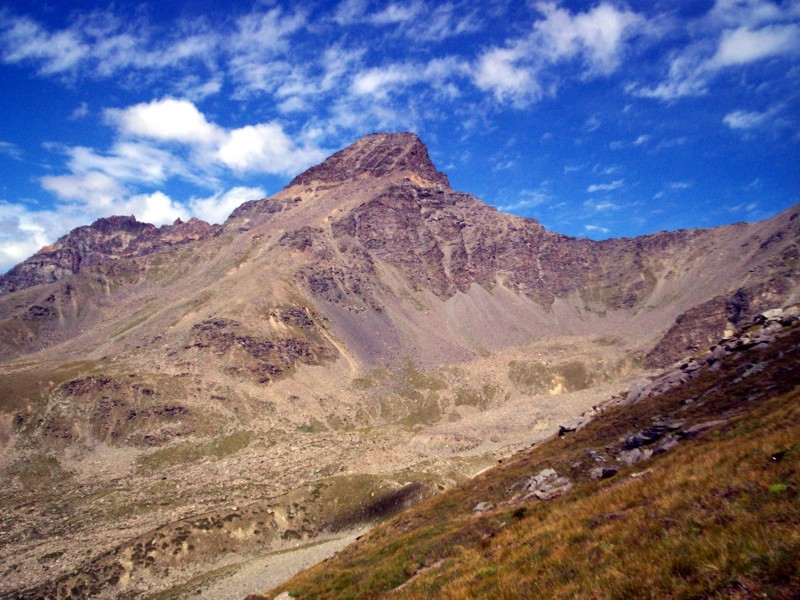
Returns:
<point x="375" y="155"/>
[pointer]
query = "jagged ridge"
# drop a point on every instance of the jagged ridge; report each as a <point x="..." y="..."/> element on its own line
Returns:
<point x="107" y="239"/>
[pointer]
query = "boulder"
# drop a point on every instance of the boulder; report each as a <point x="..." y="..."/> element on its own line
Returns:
<point x="602" y="473"/>
<point x="545" y="485"/>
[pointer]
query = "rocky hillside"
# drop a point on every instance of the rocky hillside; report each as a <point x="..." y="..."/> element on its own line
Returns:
<point x="684" y="487"/>
<point x="100" y="243"/>
<point x="380" y="209"/>
<point x="367" y="335"/>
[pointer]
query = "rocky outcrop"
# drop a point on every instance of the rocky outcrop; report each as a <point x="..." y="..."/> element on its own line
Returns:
<point x="698" y="328"/>
<point x="261" y="356"/>
<point x="760" y="332"/>
<point x="733" y="360"/>
<point x="105" y="240"/>
<point x="545" y="485"/>
<point x="374" y="156"/>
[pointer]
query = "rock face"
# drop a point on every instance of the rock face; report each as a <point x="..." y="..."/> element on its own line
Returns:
<point x="381" y="203"/>
<point x="105" y="240"/>
<point x="374" y="156"/>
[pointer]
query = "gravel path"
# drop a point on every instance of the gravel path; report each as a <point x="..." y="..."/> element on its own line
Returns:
<point x="263" y="573"/>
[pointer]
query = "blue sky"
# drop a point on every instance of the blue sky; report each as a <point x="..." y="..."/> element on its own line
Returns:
<point x="599" y="119"/>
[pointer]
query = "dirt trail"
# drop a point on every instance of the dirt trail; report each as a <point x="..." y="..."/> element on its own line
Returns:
<point x="266" y="572"/>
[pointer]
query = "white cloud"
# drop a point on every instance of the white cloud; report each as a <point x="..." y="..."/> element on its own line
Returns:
<point x="80" y="112"/>
<point x="263" y="33"/>
<point x="101" y="44"/>
<point x="217" y="207"/>
<point x="350" y="11"/>
<point x="752" y="12"/>
<point x="593" y="123"/>
<point x="529" y="199"/>
<point x="742" y="45"/>
<point x="262" y="147"/>
<point x="735" y="33"/>
<point x="338" y="64"/>
<point x="256" y="49"/>
<point x="519" y="71"/>
<point x="671" y="143"/>
<point x="23" y="232"/>
<point x="641" y="140"/>
<point x="128" y="161"/>
<point x="446" y="20"/>
<point x="89" y="189"/>
<point x="376" y="82"/>
<point x="680" y="185"/>
<point x="417" y="20"/>
<point x="605" y="187"/>
<point x="168" y="119"/>
<point x="196" y="89"/>
<point x="597" y="35"/>
<point x="25" y="40"/>
<point x="503" y="72"/>
<point x="396" y="13"/>
<point x="156" y="208"/>
<point x="596" y="228"/>
<point x="266" y="148"/>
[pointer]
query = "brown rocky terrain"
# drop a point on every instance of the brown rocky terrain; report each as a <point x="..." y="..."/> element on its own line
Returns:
<point x="102" y="242"/>
<point x="360" y="340"/>
<point x="684" y="487"/>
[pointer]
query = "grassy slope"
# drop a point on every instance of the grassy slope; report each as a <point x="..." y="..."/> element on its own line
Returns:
<point x="717" y="516"/>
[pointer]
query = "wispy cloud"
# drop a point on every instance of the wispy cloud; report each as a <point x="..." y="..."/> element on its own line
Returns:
<point x="80" y="112"/>
<point x="601" y="206"/>
<point x="10" y="150"/>
<point x="528" y="199"/>
<point x="680" y="185"/>
<point x="733" y="34"/>
<point x="605" y="187"/>
<point x="416" y="20"/>
<point x="747" y="120"/>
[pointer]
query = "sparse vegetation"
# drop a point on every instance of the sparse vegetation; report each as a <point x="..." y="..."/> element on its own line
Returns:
<point x="188" y="452"/>
<point x="717" y="516"/>
<point x="540" y="378"/>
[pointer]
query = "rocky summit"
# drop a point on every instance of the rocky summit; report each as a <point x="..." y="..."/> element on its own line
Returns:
<point x="180" y="399"/>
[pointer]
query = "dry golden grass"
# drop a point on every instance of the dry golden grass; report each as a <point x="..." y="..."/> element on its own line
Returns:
<point x="719" y="516"/>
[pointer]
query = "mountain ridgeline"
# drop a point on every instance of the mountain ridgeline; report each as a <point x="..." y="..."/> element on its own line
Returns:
<point x="378" y="217"/>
